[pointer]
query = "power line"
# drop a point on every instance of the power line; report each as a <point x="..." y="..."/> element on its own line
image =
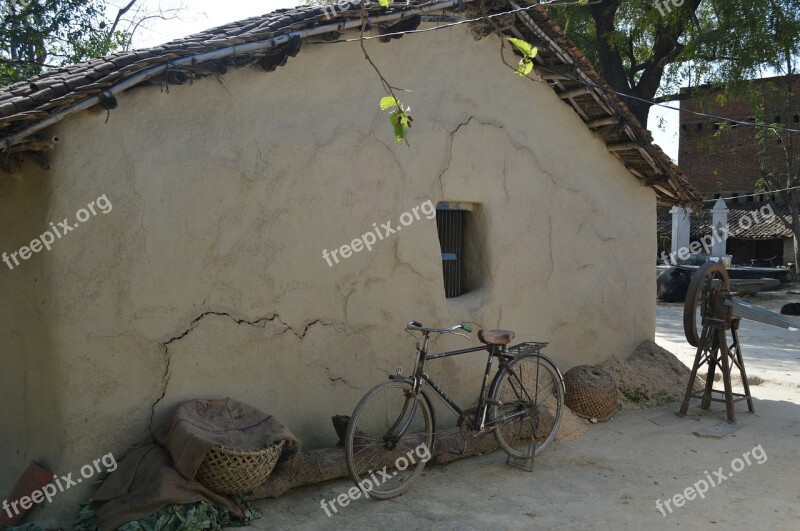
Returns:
<point x="704" y="115"/>
<point x="752" y="195"/>
<point x="553" y="3"/>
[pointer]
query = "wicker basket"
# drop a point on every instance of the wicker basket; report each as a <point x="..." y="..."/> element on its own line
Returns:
<point x="590" y="392"/>
<point x="237" y="471"/>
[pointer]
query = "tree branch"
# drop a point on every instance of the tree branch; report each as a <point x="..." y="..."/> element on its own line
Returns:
<point x="120" y="13"/>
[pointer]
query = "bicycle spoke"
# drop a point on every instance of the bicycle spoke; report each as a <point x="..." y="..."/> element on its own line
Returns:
<point x="526" y="391"/>
<point x="387" y="427"/>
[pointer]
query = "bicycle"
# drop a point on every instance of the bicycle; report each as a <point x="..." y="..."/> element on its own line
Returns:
<point x="523" y="406"/>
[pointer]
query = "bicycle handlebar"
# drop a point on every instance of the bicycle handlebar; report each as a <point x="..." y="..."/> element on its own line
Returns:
<point x="417" y="327"/>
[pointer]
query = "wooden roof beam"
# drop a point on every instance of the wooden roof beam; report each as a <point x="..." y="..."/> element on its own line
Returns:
<point x="572" y="93"/>
<point x="602" y="122"/>
<point x="623" y="146"/>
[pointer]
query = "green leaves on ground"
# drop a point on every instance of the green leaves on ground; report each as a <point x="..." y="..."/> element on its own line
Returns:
<point x="193" y="517"/>
<point x="400" y="118"/>
<point x="525" y="65"/>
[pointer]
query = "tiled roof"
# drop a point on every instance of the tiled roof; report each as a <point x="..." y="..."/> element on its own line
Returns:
<point x="757" y="225"/>
<point x="267" y="41"/>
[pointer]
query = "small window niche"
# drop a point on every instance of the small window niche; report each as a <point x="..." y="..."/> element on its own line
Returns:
<point x="461" y="238"/>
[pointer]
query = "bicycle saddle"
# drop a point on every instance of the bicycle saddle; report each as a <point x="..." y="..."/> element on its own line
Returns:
<point x="496" y="337"/>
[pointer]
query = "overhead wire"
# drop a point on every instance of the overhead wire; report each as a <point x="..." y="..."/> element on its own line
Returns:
<point x="766" y="192"/>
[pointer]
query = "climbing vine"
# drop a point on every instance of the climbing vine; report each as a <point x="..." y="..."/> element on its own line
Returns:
<point x="400" y="117"/>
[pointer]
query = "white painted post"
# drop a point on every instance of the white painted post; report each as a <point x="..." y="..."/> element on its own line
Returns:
<point x="719" y="222"/>
<point x="681" y="230"/>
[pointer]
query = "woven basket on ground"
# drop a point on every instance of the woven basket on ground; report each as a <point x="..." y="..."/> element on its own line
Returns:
<point x="590" y="392"/>
<point x="237" y="471"/>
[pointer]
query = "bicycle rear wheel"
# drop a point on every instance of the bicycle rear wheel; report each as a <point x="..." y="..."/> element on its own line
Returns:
<point x="531" y="384"/>
<point x="389" y="439"/>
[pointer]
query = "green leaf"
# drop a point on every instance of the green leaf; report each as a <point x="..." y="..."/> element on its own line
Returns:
<point x="401" y="121"/>
<point x="525" y="66"/>
<point x="400" y="128"/>
<point x="524" y="47"/>
<point x="388" y="102"/>
<point x="384" y="3"/>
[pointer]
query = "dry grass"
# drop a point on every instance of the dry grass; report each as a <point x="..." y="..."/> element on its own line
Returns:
<point x="572" y="426"/>
<point x="651" y="377"/>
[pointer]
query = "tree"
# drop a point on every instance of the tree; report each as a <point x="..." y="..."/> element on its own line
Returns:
<point x="37" y="35"/>
<point x="775" y="106"/>
<point x="650" y="48"/>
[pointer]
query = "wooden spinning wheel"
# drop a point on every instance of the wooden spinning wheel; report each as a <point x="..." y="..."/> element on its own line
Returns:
<point x="710" y="299"/>
<point x="709" y="279"/>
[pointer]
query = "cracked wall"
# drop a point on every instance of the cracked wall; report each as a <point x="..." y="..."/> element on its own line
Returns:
<point x="207" y="278"/>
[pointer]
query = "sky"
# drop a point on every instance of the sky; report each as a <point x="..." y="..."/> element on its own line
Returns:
<point x="198" y="15"/>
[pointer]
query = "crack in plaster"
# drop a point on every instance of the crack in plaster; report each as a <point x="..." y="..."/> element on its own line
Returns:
<point x="599" y="237"/>
<point x="258" y="323"/>
<point x="399" y="262"/>
<point x="519" y="147"/>
<point x="451" y="134"/>
<point x="505" y="180"/>
<point x="331" y="377"/>
<point x="144" y="206"/>
<point x="550" y="247"/>
<point x="339" y="379"/>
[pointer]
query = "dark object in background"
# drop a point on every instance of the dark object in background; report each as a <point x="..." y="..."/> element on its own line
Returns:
<point x="793" y="308"/>
<point x="340" y="423"/>
<point x="33" y="479"/>
<point x="672" y="284"/>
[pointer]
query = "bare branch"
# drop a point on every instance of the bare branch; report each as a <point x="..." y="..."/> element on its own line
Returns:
<point x="120" y="13"/>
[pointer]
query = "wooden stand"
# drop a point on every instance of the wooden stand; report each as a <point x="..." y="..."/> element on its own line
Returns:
<point x="713" y="350"/>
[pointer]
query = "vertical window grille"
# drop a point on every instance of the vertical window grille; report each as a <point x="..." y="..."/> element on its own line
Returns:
<point x="450" y="223"/>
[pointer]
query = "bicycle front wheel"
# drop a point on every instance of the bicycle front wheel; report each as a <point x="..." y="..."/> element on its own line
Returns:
<point x="530" y="385"/>
<point x="389" y="439"/>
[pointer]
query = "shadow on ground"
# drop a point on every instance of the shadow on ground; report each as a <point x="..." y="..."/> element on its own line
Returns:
<point x="610" y="478"/>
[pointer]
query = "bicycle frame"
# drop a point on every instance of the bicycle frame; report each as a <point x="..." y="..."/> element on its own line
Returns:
<point x="483" y="403"/>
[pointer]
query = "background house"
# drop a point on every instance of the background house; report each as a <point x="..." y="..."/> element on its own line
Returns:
<point x="723" y="159"/>
<point x="729" y="163"/>
<point x="228" y="180"/>
<point x="765" y="241"/>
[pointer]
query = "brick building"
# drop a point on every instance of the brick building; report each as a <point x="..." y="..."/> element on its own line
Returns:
<point x="724" y="159"/>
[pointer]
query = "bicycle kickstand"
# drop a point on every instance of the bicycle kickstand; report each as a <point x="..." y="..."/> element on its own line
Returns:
<point x="524" y="463"/>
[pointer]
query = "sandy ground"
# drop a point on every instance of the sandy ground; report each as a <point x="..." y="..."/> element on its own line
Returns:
<point x="613" y="476"/>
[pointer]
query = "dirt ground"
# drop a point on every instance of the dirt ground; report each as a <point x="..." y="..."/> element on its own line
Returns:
<point x="613" y="474"/>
